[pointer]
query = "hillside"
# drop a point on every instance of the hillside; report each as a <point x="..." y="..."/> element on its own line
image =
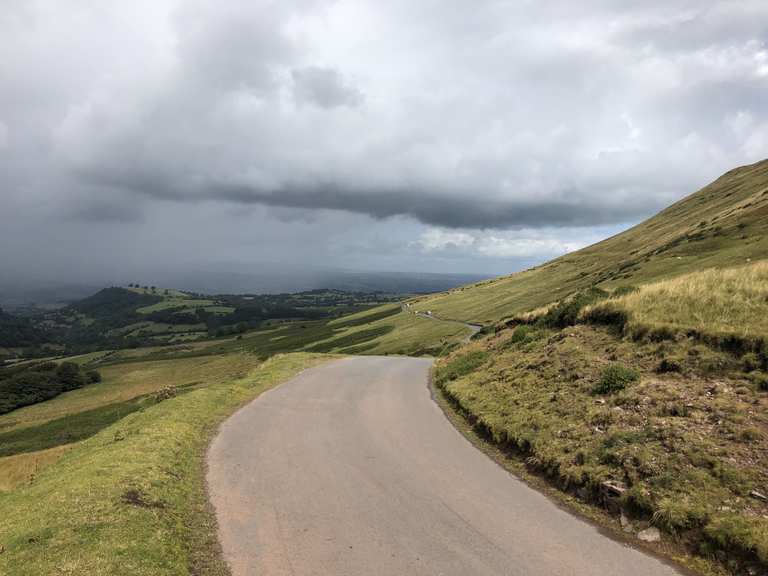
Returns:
<point x="723" y="224"/>
<point x="632" y="375"/>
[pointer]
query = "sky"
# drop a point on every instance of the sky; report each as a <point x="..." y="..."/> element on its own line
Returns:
<point x="449" y="136"/>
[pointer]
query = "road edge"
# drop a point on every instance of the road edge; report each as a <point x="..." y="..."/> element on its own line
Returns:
<point x="667" y="552"/>
<point x="205" y="555"/>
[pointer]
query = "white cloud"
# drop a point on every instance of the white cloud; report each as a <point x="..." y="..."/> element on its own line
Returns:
<point x="514" y="245"/>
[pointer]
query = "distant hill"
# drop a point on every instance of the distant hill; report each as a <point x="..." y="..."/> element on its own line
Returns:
<point x="119" y="317"/>
<point x="721" y="225"/>
<point x="18" y="332"/>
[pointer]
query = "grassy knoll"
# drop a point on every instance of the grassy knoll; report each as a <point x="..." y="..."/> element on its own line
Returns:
<point x="130" y="499"/>
<point x="719" y="304"/>
<point x="722" y="225"/>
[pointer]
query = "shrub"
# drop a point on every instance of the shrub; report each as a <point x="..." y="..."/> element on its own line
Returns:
<point x="524" y="334"/>
<point x="759" y="379"/>
<point x="615" y="377"/>
<point x="749" y="434"/>
<point x="566" y="312"/>
<point x="673" y="515"/>
<point x="739" y="533"/>
<point x="34" y="384"/>
<point x="752" y="361"/>
<point x="669" y="365"/>
<point x="93" y="376"/>
<point x="607" y="314"/>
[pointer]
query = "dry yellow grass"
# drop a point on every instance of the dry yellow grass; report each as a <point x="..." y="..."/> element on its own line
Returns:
<point x="716" y="301"/>
<point x="21" y="469"/>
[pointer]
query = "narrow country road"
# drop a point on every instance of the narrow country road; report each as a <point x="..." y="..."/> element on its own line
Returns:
<point x="352" y="469"/>
<point x="475" y="328"/>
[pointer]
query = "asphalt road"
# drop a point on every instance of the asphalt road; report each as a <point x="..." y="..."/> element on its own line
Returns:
<point x="352" y="469"/>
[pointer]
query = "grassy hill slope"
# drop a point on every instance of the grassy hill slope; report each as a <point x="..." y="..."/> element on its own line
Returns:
<point x="723" y="224"/>
<point x="633" y="374"/>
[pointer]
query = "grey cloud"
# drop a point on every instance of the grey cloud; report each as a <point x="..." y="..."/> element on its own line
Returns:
<point x="107" y="210"/>
<point x="438" y="113"/>
<point x="323" y="87"/>
<point x="446" y="211"/>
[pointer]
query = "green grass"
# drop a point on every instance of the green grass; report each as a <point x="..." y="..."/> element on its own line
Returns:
<point x="126" y="381"/>
<point x="65" y="430"/>
<point x="130" y="499"/>
<point x="185" y="303"/>
<point x="685" y="444"/>
<point x="722" y="225"/>
<point x="381" y="330"/>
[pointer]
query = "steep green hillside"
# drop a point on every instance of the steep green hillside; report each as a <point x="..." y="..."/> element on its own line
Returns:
<point x="633" y="374"/>
<point x="723" y="224"/>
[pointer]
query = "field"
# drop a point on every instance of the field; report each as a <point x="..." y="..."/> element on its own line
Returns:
<point x="130" y="498"/>
<point x="120" y="317"/>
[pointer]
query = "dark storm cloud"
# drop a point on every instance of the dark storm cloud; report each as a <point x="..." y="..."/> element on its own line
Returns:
<point x="440" y="210"/>
<point x="440" y="113"/>
<point x="323" y="87"/>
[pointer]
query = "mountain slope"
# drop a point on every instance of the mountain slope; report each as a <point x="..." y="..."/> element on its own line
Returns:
<point x="723" y="224"/>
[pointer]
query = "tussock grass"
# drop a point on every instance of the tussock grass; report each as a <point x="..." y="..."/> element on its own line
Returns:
<point x="715" y="303"/>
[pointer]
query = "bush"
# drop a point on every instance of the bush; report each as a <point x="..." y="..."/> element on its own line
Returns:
<point x="760" y="379"/>
<point x="615" y="377"/>
<point x="566" y="312"/>
<point x="607" y="314"/>
<point x="524" y="334"/>
<point x="93" y="376"/>
<point x="752" y="361"/>
<point x="34" y="384"/>
<point x="669" y="365"/>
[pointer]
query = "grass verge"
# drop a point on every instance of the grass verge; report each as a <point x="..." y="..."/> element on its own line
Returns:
<point x="131" y="499"/>
<point x="667" y="434"/>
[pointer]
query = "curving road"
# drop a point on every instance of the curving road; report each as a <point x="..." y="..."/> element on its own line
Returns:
<point x="352" y="469"/>
<point x="475" y="328"/>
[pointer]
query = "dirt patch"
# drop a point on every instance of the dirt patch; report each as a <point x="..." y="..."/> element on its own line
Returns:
<point x="135" y="497"/>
